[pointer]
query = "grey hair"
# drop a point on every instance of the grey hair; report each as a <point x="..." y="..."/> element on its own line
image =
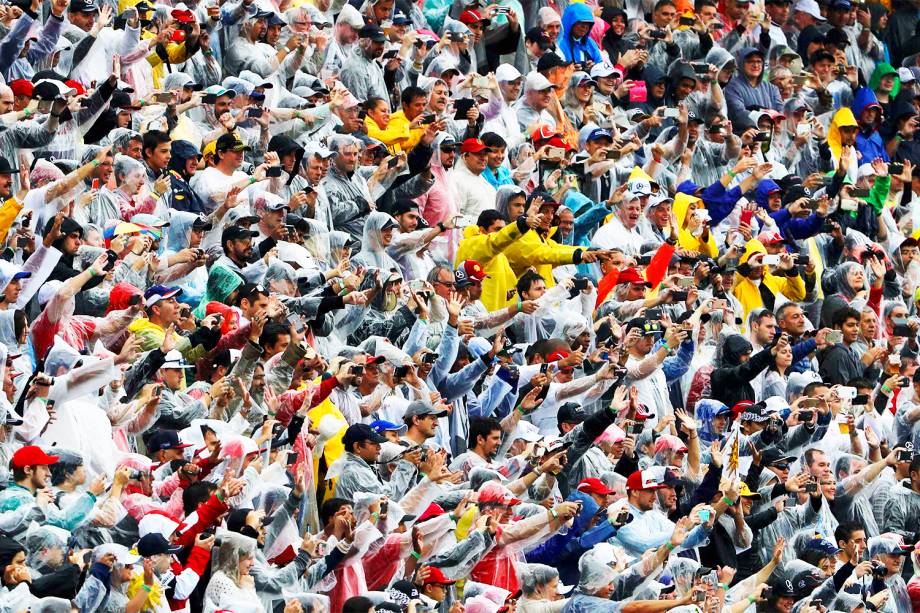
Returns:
<point x="340" y="141"/>
<point x="433" y="273"/>
<point x="122" y="136"/>
<point x="124" y="165"/>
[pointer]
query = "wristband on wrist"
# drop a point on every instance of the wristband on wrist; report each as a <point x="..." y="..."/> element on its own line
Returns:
<point x="886" y="389"/>
<point x="95" y="163"/>
<point x="553" y="513"/>
<point x="751" y="599"/>
<point x="732" y="174"/>
<point x="416" y="555"/>
<point x="671" y="546"/>
<point x="520" y="306"/>
<point x="441" y="226"/>
<point x="252" y="180"/>
<point x="27" y="112"/>
<point x="728" y="500"/>
<point x="147" y="588"/>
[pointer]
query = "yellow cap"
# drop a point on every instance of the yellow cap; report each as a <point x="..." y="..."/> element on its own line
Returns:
<point x="210" y="148"/>
<point x="747" y="493"/>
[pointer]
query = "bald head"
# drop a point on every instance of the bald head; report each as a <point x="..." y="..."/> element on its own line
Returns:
<point x="6" y="99"/>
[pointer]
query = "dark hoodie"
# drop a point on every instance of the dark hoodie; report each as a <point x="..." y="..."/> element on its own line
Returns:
<point x="731" y="380"/>
<point x="183" y="197"/>
<point x="64" y="269"/>
<point x="614" y="45"/>
<point x="62" y="583"/>
<point x="283" y="145"/>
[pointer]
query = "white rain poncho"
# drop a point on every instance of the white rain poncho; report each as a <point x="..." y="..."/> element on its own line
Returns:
<point x="224" y="589"/>
<point x="372" y="252"/>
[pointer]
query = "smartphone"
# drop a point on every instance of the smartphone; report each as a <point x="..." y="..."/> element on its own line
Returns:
<point x="803" y="260"/>
<point x="904" y="382"/>
<point x="811" y="487"/>
<point x="292" y="457"/>
<point x="163" y="97"/>
<point x="761" y="137"/>
<point x="462" y="106"/>
<point x="357" y="370"/>
<point x="901" y="327"/>
<point x="685" y="282"/>
<point x="429" y="118"/>
<point x="543" y="368"/>
<point x="846" y="392"/>
<point x="805" y="416"/>
<point x="613" y="154"/>
<point x="393" y="162"/>
<point x="689" y="21"/>
<point x="112" y="258"/>
<point x="622" y="517"/>
<point x="841" y="69"/>
<point x="771" y="260"/>
<point x="272" y="172"/>
<point x="800" y="79"/>
<point x="638" y="92"/>
<point x="429" y="358"/>
<point x="643" y="260"/>
<point x="657" y="34"/>
<point x="401" y="371"/>
<point x="810" y="403"/>
<point x="555" y="152"/>
<point x="860" y="192"/>
<point x="209" y="98"/>
<point x="861" y="400"/>
<point x="746" y="217"/>
<point x="895" y="168"/>
<point x="95" y="184"/>
<point x="803" y="129"/>
<point x="671" y="113"/>
<point x="679" y="296"/>
<point x="456" y="37"/>
<point x="835" y="337"/>
<point x="636" y="428"/>
<point x="22" y="242"/>
<point x="255" y="112"/>
<point x="389" y="55"/>
<point x="580" y="284"/>
<point x="905" y="455"/>
<point x="462" y="221"/>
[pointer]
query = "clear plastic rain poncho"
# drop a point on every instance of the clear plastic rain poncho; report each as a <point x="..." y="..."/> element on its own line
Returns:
<point x="315" y="603"/>
<point x="682" y="572"/>
<point x="373" y="254"/>
<point x="535" y="576"/>
<point x="899" y="599"/>
<point x="233" y="548"/>
<point x="46" y="547"/>
<point x="594" y="570"/>
<point x="317" y="241"/>
<point x="51" y="604"/>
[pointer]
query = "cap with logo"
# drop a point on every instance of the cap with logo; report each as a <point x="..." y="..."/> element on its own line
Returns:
<point x="155" y="544"/>
<point x="496" y="493"/>
<point x="83" y="6"/>
<point x="631" y="275"/>
<point x="162" y="440"/>
<point x="536" y="82"/>
<point x="231" y="142"/>
<point x="360" y="433"/>
<point x="175" y="360"/>
<point x="593" y="485"/>
<point x="571" y="413"/>
<point x="372" y="32"/>
<point x="645" y="480"/>
<point x="159" y="292"/>
<point x="381" y="425"/>
<point x="467" y="272"/>
<point x="473" y="145"/>
<point x="418" y="408"/>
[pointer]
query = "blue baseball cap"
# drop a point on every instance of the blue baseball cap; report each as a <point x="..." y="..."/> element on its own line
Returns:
<point x="599" y="133"/>
<point x="159" y="292"/>
<point x="822" y="545"/>
<point x="381" y="425"/>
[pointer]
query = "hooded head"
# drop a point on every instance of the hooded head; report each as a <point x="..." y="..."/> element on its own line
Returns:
<point x="894" y="81"/>
<point x="863" y="103"/>
<point x="735" y="350"/>
<point x="747" y="66"/>
<point x="843" y="118"/>
<point x="706" y="411"/>
<point x="289" y="152"/>
<point x="576" y="12"/>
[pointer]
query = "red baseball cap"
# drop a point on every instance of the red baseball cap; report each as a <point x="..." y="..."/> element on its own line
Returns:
<point x="770" y="238"/>
<point x="183" y="16"/>
<point x="21" y="87"/>
<point x="631" y="275"/>
<point x="643" y="480"/>
<point x="544" y="132"/>
<point x="472" y="16"/>
<point x="557" y="141"/>
<point x="467" y="271"/>
<point x="77" y="86"/>
<point x="473" y="145"/>
<point x="593" y="485"/>
<point x="436" y="577"/>
<point x="374" y="359"/>
<point x="556" y="356"/>
<point x="433" y="510"/>
<point x="497" y="493"/>
<point x="32" y="455"/>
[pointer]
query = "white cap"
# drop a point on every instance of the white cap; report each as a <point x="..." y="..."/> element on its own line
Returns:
<point x="351" y="16"/>
<point x="809" y="7"/>
<point x="548" y="15"/>
<point x="174" y="359"/>
<point x="506" y="72"/>
<point x="536" y="82"/>
<point x="316" y="149"/>
<point x="122" y="554"/>
<point x="906" y="75"/>
<point x="603" y="70"/>
<point x="526" y="431"/>
<point x="640" y="187"/>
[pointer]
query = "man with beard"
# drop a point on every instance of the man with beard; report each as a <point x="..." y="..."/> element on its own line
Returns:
<point x="238" y="254"/>
<point x="362" y="74"/>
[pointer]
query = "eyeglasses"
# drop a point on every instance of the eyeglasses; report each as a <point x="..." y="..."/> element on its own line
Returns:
<point x="781" y="466"/>
<point x="445" y="283"/>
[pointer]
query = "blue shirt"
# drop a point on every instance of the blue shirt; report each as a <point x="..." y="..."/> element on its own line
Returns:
<point x="501" y="176"/>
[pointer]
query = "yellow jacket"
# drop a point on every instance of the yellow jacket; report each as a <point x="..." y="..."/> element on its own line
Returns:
<point x="8" y="212"/>
<point x="488" y="250"/>
<point x="748" y="293"/>
<point x="393" y="136"/>
<point x="541" y="253"/>
<point x="398" y="136"/>
<point x="176" y="52"/>
<point x="685" y="239"/>
<point x="332" y="450"/>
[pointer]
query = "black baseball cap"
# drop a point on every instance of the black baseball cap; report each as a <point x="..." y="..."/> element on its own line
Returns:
<point x="236" y="519"/>
<point x="231" y="142"/>
<point x="372" y="32"/>
<point x="404" y="205"/>
<point x="550" y="60"/>
<point x="537" y="35"/>
<point x="772" y="455"/>
<point x="202" y="224"/>
<point x="83" y="6"/>
<point x="6" y="168"/>
<point x="571" y="413"/>
<point x="155" y="543"/>
<point x="232" y="233"/>
<point x="359" y="433"/>
<point x="165" y="439"/>
<point x="796" y="192"/>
